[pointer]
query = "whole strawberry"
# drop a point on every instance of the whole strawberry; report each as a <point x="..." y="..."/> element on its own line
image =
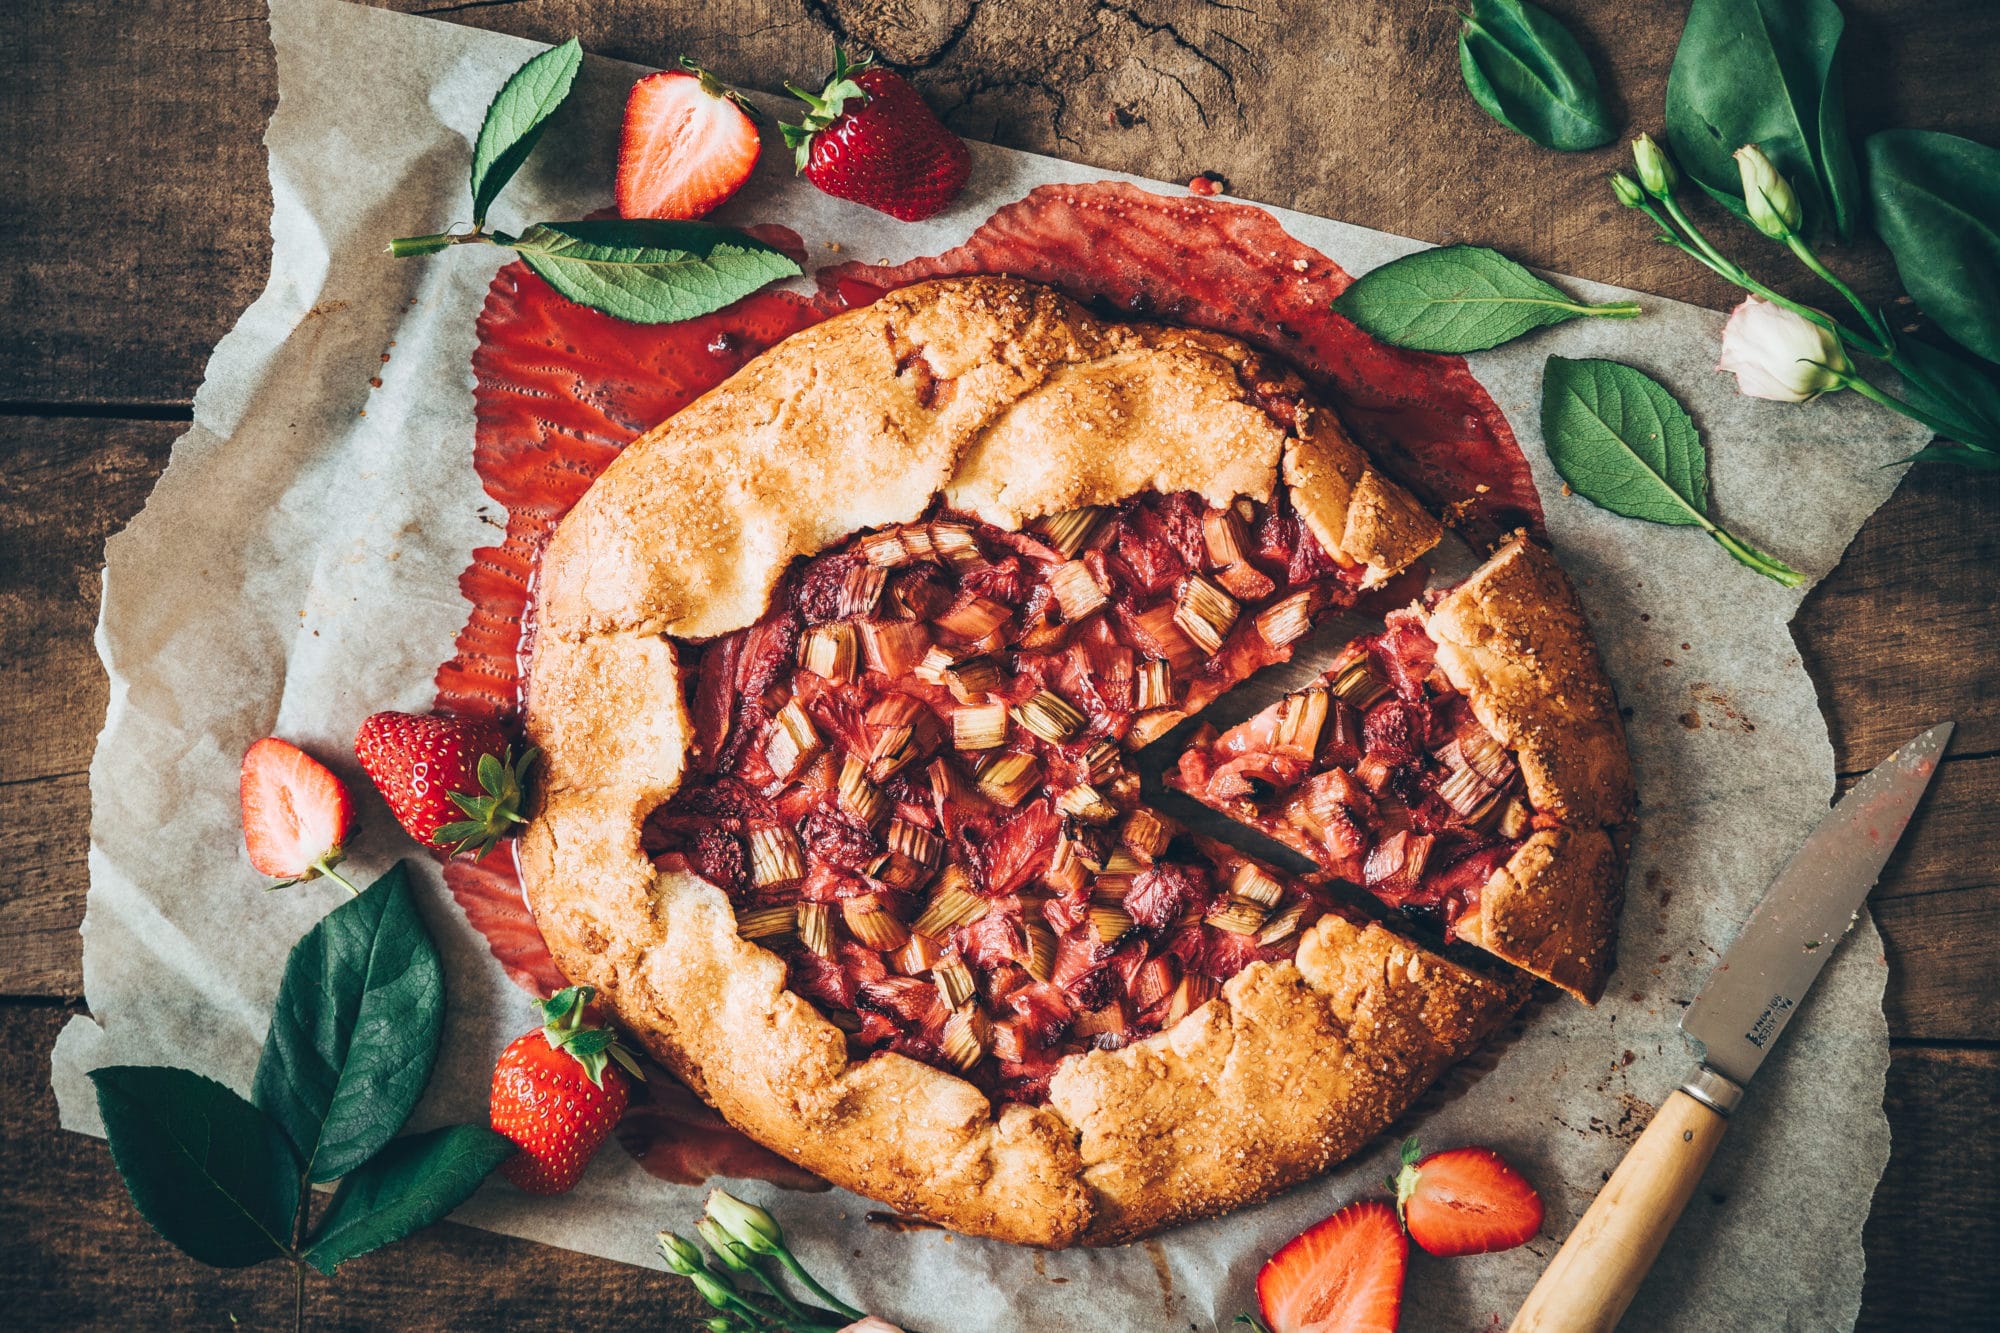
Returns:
<point x="557" y="1093"/>
<point x="450" y="781"/>
<point x="868" y="137"/>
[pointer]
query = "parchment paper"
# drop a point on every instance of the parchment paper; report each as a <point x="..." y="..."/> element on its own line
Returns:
<point x="296" y="568"/>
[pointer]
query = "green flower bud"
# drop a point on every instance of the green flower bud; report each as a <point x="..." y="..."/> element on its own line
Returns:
<point x="1656" y="169"/>
<point x="745" y="1223"/>
<point x="1774" y="209"/>
<point x="733" y="1256"/>
<point x="1627" y="190"/>
<point x="721" y="1323"/>
<point x="681" y="1255"/>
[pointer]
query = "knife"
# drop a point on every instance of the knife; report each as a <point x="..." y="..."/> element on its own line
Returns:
<point x="1742" y="1008"/>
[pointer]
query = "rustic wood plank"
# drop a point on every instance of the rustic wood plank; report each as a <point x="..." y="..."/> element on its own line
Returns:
<point x="134" y="206"/>
<point x="1935" y="1224"/>
<point x="65" y="486"/>
<point x="75" y="1255"/>
<point x="1938" y="907"/>
<point x="1906" y="632"/>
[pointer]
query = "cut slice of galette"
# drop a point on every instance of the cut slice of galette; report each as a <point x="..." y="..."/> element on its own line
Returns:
<point x="1466" y="765"/>
<point x="837" y="673"/>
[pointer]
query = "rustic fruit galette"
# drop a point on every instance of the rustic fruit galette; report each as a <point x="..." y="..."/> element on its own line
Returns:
<point x="839" y="674"/>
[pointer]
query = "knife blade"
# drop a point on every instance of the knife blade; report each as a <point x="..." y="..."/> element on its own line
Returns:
<point x="1756" y="988"/>
<point x="1749" y="997"/>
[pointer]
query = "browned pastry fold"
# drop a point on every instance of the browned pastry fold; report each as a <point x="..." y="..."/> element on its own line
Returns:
<point x="1011" y="402"/>
<point x="1513" y="640"/>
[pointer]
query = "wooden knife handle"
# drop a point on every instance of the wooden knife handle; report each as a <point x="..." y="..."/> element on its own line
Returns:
<point x="1599" y="1268"/>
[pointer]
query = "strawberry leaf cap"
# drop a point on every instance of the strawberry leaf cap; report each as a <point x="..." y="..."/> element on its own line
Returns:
<point x="493" y="814"/>
<point x="715" y="87"/>
<point x="826" y="106"/>
<point x="564" y="1030"/>
<point x="1404" y="1182"/>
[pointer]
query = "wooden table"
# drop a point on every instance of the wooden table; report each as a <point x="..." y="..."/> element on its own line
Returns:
<point x="134" y="210"/>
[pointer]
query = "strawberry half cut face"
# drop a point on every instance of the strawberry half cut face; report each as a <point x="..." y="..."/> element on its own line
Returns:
<point x="1379" y="772"/>
<point x="909" y="776"/>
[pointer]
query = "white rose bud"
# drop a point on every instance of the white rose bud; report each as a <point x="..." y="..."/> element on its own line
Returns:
<point x="1779" y="354"/>
<point x="871" y="1325"/>
<point x="1774" y="208"/>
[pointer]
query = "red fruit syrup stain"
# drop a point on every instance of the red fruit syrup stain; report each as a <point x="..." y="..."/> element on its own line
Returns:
<point x="560" y="390"/>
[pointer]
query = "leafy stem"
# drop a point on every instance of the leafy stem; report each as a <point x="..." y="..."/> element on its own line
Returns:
<point x="1884" y="344"/>
<point x="1910" y="410"/>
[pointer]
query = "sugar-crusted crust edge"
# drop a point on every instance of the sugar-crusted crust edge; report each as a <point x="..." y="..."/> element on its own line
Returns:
<point x="1514" y="640"/>
<point x="1012" y="402"/>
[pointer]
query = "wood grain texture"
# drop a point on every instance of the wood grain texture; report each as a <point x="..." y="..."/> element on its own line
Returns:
<point x="133" y="227"/>
<point x="134" y="217"/>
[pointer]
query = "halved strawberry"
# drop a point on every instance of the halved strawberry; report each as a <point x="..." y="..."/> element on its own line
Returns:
<point x="688" y="144"/>
<point x="1343" y="1275"/>
<point x="1465" y="1201"/>
<point x="296" y="814"/>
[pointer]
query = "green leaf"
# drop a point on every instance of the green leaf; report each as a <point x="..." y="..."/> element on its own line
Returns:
<point x="1526" y="71"/>
<point x="412" y="1183"/>
<point x="1622" y="442"/>
<point x="1765" y="72"/>
<point x="514" y="121"/>
<point x="1937" y="205"/>
<point x="1982" y="460"/>
<point x="355" y="1030"/>
<point x="1459" y="298"/>
<point x="212" y="1173"/>
<point x="1952" y="390"/>
<point x="651" y="272"/>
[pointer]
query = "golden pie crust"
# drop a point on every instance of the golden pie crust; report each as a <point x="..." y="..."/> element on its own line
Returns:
<point x="1514" y="641"/>
<point x="1011" y="402"/>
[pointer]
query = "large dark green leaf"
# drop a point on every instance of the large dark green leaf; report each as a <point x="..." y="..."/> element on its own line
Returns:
<point x="1459" y="298"/>
<point x="651" y="272"/>
<point x="514" y="121"/>
<point x="412" y="1183"/>
<point x="211" y="1172"/>
<point x="355" y="1030"/>
<point x="1952" y="390"/>
<point x="1765" y="72"/>
<point x="1623" y="443"/>
<point x="1527" y="72"/>
<point x="1937" y="205"/>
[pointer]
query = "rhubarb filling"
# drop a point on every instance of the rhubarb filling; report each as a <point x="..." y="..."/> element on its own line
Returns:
<point x="1380" y="773"/>
<point x="909" y="779"/>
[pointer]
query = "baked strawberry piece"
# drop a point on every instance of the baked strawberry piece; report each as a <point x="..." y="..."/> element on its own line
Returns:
<point x="910" y="777"/>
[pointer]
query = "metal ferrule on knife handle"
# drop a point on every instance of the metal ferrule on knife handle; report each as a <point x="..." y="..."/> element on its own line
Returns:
<point x="1712" y="1090"/>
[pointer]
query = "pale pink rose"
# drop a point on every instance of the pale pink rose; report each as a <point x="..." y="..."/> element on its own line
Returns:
<point x="871" y="1325"/>
<point x="1779" y="354"/>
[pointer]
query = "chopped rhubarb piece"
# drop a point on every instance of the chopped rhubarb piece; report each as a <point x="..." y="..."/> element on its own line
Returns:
<point x="1049" y="716"/>
<point x="1340" y="742"/>
<point x="1246" y="583"/>
<point x="1360" y="684"/>
<point x="870" y="921"/>
<point x="1395" y="866"/>
<point x="1205" y="612"/>
<point x="917" y="593"/>
<point x="971" y="620"/>
<point x="893" y="647"/>
<point x="1071" y="530"/>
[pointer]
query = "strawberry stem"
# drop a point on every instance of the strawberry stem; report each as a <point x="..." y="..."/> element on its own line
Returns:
<point x="325" y="867"/>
